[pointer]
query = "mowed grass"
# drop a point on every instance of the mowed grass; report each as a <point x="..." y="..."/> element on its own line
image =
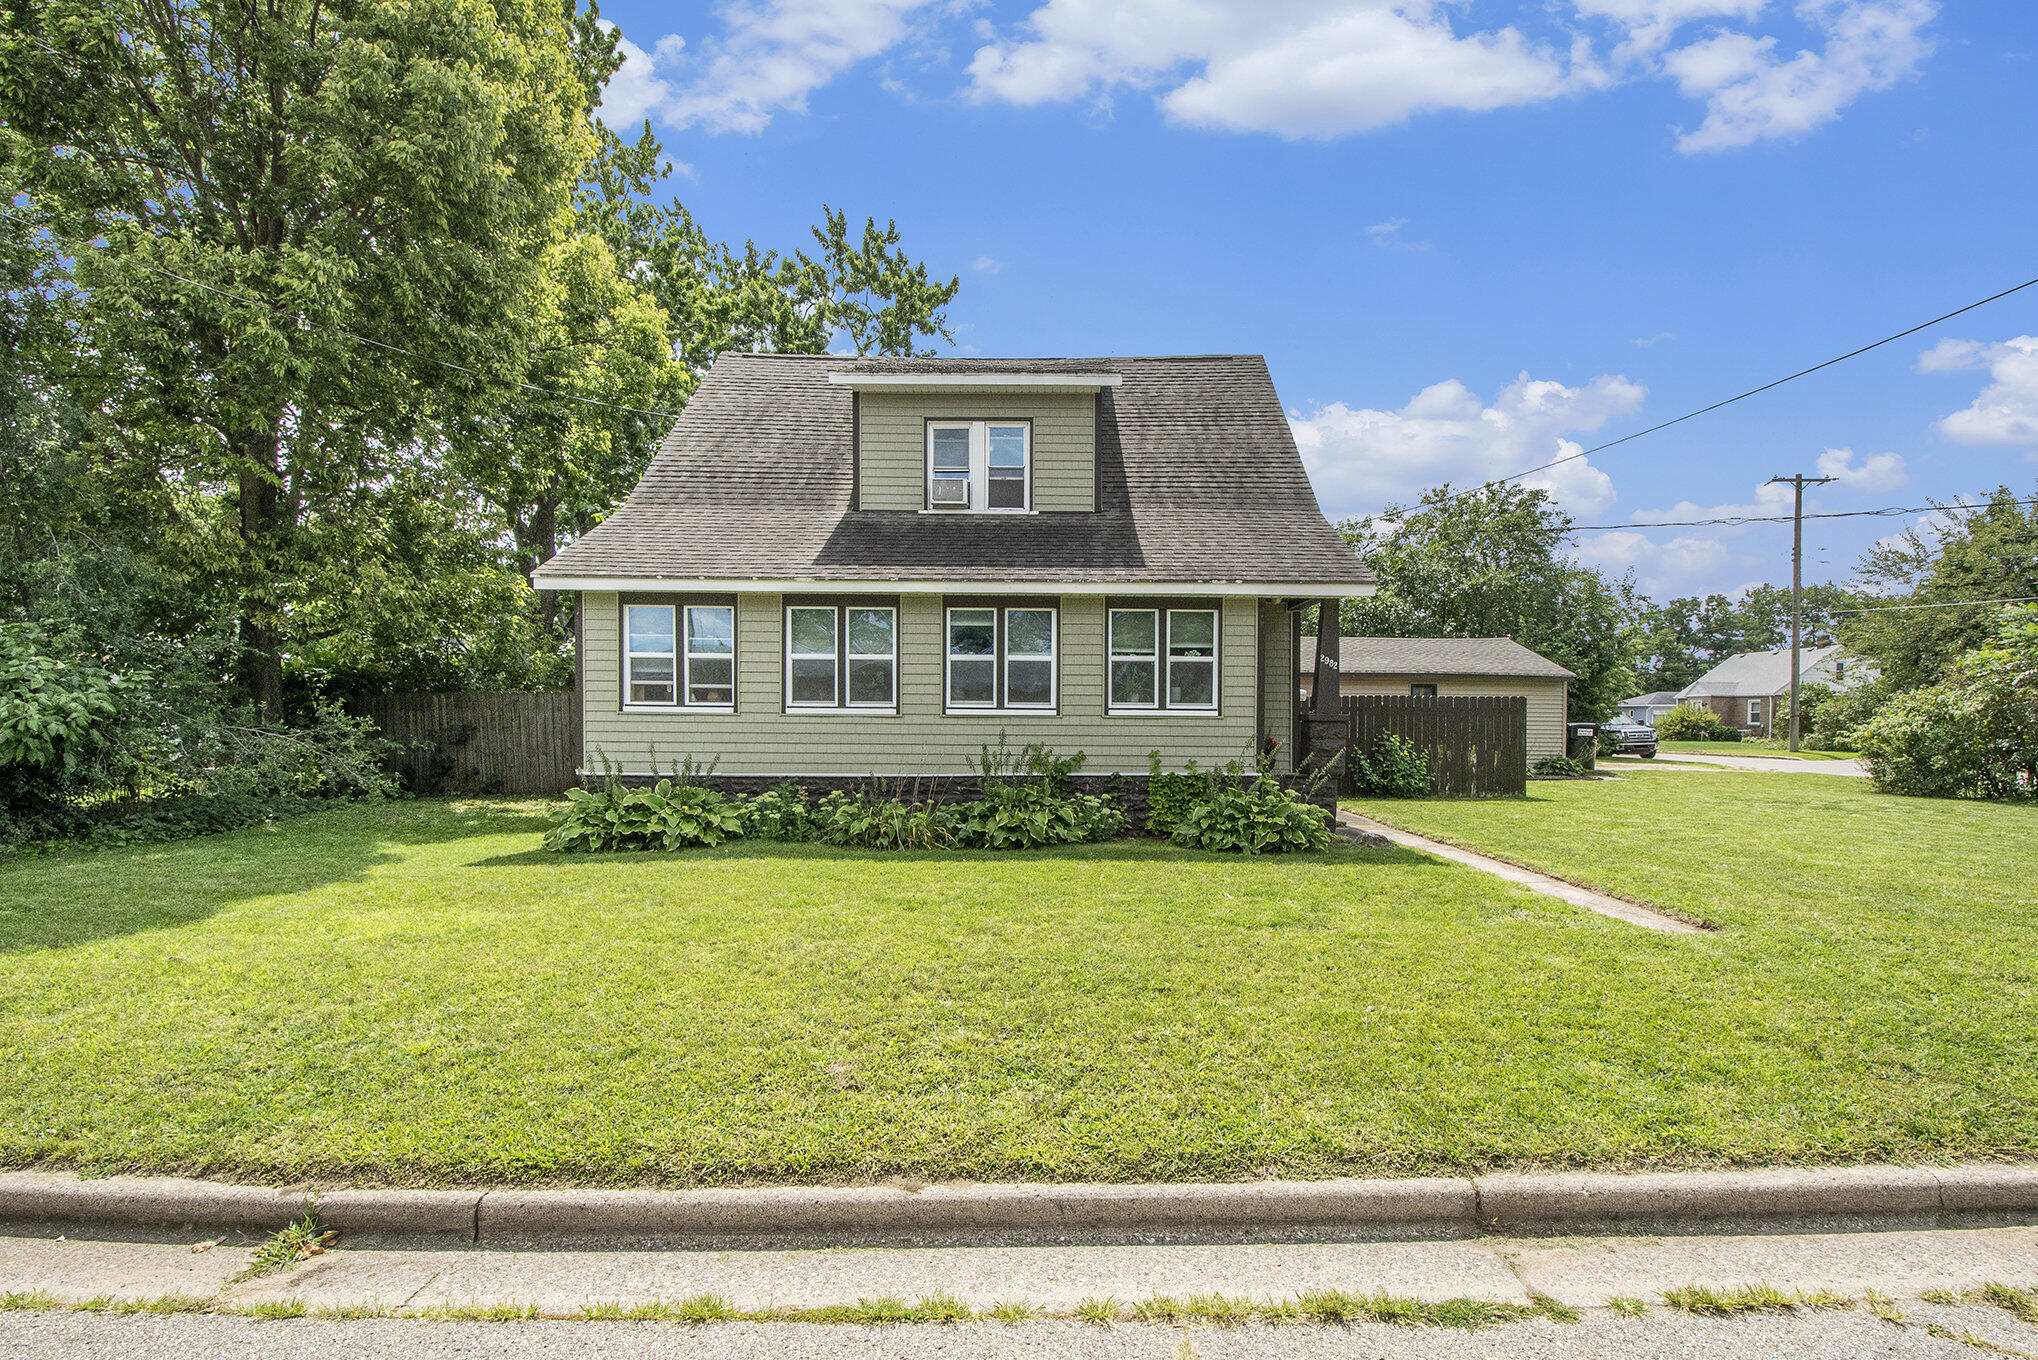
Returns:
<point x="414" y="994"/>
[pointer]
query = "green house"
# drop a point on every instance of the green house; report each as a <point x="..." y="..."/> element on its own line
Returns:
<point x="836" y="568"/>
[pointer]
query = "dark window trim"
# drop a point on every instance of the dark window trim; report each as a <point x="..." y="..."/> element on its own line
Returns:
<point x="1416" y="689"/>
<point x="678" y="602"/>
<point x="841" y="604"/>
<point x="927" y="424"/>
<point x="999" y="604"/>
<point x="1160" y="605"/>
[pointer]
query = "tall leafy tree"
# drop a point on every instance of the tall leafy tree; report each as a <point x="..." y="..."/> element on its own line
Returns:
<point x="1491" y="562"/>
<point x="1683" y="638"/>
<point x="243" y="187"/>
<point x="1987" y="551"/>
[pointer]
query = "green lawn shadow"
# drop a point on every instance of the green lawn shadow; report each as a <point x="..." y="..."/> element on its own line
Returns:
<point x="62" y="900"/>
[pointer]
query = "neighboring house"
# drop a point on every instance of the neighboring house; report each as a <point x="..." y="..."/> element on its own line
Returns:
<point x="1747" y="689"/>
<point x="1445" y="667"/>
<point x="836" y="568"/>
<point x="1646" y="708"/>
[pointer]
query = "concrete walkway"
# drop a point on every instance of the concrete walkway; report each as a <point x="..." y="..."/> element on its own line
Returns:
<point x="1763" y="764"/>
<point x="1840" y="1270"/>
<point x="1918" y="1332"/>
<point x="1577" y="896"/>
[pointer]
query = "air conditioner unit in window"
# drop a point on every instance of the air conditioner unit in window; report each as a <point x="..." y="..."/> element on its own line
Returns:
<point x="951" y="491"/>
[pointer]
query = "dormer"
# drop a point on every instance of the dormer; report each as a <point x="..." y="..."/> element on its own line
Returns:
<point x="983" y="442"/>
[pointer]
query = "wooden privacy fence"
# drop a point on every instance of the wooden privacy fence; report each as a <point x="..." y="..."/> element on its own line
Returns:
<point x="480" y="742"/>
<point x="1477" y="747"/>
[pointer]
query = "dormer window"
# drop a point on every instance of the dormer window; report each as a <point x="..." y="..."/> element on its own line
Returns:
<point x="980" y="465"/>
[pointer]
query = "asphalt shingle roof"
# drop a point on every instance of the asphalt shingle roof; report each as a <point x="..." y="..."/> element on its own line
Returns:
<point x="1198" y="481"/>
<point x="1436" y="656"/>
<point x="1753" y="674"/>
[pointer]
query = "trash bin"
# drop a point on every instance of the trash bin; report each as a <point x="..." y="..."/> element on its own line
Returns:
<point x="1583" y="745"/>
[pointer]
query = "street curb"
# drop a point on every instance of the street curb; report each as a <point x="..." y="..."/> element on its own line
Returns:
<point x="1773" y="1200"/>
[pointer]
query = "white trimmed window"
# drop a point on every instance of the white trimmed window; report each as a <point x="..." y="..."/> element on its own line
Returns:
<point x="679" y="655"/>
<point x="1162" y="659"/>
<point x="982" y="465"/>
<point x="1001" y="657"/>
<point x="711" y="655"/>
<point x="842" y="656"/>
<point x="1192" y="658"/>
<point x="1135" y="658"/>
<point x="1754" y="713"/>
<point x="1422" y="691"/>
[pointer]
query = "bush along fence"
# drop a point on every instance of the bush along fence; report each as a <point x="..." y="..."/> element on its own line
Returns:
<point x="1023" y="800"/>
<point x="1472" y="747"/>
<point x="479" y="741"/>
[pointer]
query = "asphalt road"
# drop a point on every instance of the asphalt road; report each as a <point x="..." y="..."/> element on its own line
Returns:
<point x="1844" y="1335"/>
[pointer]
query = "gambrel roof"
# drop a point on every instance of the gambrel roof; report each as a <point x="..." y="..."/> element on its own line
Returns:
<point x="1198" y="482"/>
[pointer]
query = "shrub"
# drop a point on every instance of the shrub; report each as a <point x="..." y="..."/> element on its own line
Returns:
<point x="1169" y="796"/>
<point x="875" y="821"/>
<point x="1558" y="767"/>
<point x="783" y="814"/>
<point x="52" y="712"/>
<point x="668" y="816"/>
<point x="1392" y="769"/>
<point x="1265" y="817"/>
<point x="1020" y="817"/>
<point x="1685" y="723"/>
<point x="1975" y="734"/>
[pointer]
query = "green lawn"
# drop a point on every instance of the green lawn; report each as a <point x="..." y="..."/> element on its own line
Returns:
<point x="1748" y="748"/>
<point x="415" y="994"/>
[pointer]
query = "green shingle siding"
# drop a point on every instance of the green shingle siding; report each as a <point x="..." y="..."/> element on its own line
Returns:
<point x="761" y="738"/>
<point x="891" y="457"/>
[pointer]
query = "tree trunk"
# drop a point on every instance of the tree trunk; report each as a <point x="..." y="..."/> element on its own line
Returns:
<point x="261" y="633"/>
<point x="537" y="542"/>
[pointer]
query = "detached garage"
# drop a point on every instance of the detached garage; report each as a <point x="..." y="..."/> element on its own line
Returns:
<point x="1447" y="667"/>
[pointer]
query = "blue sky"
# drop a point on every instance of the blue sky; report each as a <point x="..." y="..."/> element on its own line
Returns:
<point x="1469" y="235"/>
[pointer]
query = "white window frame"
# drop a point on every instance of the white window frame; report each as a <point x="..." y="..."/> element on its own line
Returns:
<point x="891" y="702"/>
<point x="834" y="614"/>
<point x="631" y="654"/>
<point x="1000" y="659"/>
<point x="1214" y="661"/>
<point x="841" y="657"/>
<point x="979" y="502"/>
<point x="691" y="655"/>
<point x="1152" y="657"/>
<point x="1052" y="656"/>
<point x="1755" y="711"/>
<point x="1164" y="661"/>
<point x="681" y="656"/>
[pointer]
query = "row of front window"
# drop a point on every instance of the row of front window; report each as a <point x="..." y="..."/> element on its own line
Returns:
<point x="845" y="657"/>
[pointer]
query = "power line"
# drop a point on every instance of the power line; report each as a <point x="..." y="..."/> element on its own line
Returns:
<point x="1942" y="604"/>
<point x="1754" y="391"/>
<point x="394" y="349"/>
<point x="1885" y="511"/>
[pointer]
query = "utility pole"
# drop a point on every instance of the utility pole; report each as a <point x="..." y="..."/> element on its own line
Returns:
<point x="1797" y="484"/>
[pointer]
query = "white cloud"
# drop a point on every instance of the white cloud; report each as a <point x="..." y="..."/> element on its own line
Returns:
<point x="769" y="56"/>
<point x="1650" y="341"/>
<point x="1361" y="459"/>
<point x="1387" y="235"/>
<point x="1752" y="93"/>
<point x="1878" y="472"/>
<point x="1771" y="498"/>
<point x="1299" y="68"/>
<point x="2006" y="411"/>
<point x="1650" y="24"/>
<point x="1296" y="68"/>
<point x="985" y="264"/>
<point x="1660" y="567"/>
